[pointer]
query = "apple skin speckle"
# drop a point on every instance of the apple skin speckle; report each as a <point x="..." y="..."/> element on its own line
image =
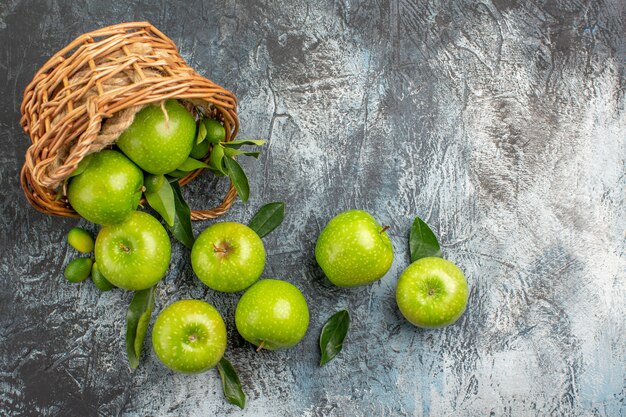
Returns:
<point x="353" y="249"/>
<point x="274" y="313"/>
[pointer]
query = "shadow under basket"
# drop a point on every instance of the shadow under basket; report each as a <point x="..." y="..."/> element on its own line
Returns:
<point x="87" y="94"/>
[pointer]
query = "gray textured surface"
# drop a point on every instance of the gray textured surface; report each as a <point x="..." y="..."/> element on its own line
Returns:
<point x="502" y="123"/>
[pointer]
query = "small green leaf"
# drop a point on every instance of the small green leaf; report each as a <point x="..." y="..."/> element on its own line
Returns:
<point x="137" y="319"/>
<point x="234" y="152"/>
<point x="216" y="159"/>
<point x="268" y="218"/>
<point x="181" y="229"/>
<point x="238" y="177"/>
<point x="230" y="383"/>
<point x="333" y="334"/>
<point x="201" y="132"/>
<point x="422" y="241"/>
<point x="236" y="144"/>
<point x="191" y="164"/>
<point x="162" y="201"/>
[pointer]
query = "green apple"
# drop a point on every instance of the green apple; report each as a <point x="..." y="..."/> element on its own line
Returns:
<point x="228" y="257"/>
<point x="432" y="292"/>
<point x="189" y="336"/>
<point x="108" y="189"/>
<point x="159" y="144"/>
<point x="135" y="254"/>
<point x="354" y="249"/>
<point x="272" y="314"/>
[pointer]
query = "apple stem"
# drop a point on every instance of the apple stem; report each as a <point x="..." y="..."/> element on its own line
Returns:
<point x="261" y="346"/>
<point x="385" y="228"/>
<point x="167" y="116"/>
<point x="124" y="247"/>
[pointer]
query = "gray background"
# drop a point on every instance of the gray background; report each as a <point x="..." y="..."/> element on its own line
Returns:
<point x="501" y="123"/>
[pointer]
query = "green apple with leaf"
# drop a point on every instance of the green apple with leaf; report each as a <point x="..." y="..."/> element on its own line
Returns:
<point x="189" y="336"/>
<point x="354" y="249"/>
<point x="135" y="254"/>
<point x="272" y="315"/>
<point x="228" y="256"/>
<point x="160" y="138"/>
<point x="106" y="188"/>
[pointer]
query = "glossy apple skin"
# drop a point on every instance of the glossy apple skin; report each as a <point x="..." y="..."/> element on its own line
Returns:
<point x="353" y="249"/>
<point x="134" y="254"/>
<point x="228" y="257"/>
<point x="189" y="336"/>
<point x="432" y="292"/>
<point x="156" y="144"/>
<point x="108" y="190"/>
<point x="274" y="312"/>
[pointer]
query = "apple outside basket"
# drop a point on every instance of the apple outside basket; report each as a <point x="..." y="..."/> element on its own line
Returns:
<point x="88" y="93"/>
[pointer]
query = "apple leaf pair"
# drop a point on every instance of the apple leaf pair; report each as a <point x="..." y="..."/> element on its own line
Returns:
<point x="222" y="162"/>
<point x="166" y="198"/>
<point x="137" y="319"/>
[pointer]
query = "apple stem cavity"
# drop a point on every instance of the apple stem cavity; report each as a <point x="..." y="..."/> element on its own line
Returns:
<point x="124" y="248"/>
<point x="261" y="346"/>
<point x="221" y="248"/>
<point x="384" y="229"/>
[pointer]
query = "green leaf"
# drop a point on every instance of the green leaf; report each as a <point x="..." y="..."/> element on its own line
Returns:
<point x="181" y="229"/>
<point x="422" y="241"/>
<point x="268" y="218"/>
<point x="137" y="319"/>
<point x="230" y="383"/>
<point x="333" y="334"/>
<point x="191" y="164"/>
<point x="201" y="132"/>
<point x="236" y="144"/>
<point x="176" y="175"/>
<point x="238" y="177"/>
<point x="234" y="152"/>
<point x="216" y="159"/>
<point x="162" y="201"/>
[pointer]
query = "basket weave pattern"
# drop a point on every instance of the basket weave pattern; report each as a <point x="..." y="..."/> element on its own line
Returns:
<point x="87" y="94"/>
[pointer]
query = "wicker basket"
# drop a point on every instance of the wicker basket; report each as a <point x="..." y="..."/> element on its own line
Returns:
<point x="88" y="93"/>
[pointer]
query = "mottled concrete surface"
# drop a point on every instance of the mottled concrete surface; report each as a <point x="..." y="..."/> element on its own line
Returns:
<point x="501" y="123"/>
